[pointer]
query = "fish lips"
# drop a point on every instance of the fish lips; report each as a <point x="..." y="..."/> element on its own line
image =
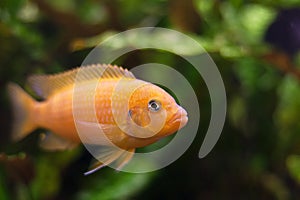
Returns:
<point x="180" y="117"/>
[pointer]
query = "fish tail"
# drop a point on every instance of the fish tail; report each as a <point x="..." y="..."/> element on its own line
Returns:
<point x="22" y="107"/>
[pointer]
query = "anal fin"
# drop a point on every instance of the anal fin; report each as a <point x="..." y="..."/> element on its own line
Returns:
<point x="123" y="159"/>
<point x="117" y="157"/>
<point x="52" y="142"/>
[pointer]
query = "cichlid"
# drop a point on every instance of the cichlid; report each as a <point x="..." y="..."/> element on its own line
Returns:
<point x="127" y="119"/>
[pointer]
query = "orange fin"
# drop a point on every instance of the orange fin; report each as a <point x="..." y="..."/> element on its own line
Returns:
<point x="124" y="159"/>
<point x="52" y="142"/>
<point x="45" y="85"/>
<point x="94" y="133"/>
<point x="117" y="157"/>
<point x="22" y="106"/>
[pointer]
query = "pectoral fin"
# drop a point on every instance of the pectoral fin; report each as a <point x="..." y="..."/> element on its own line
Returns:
<point x="117" y="157"/>
<point x="52" y="142"/>
<point x="93" y="133"/>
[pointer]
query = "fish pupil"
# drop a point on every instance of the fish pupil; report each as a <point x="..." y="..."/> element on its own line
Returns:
<point x="154" y="105"/>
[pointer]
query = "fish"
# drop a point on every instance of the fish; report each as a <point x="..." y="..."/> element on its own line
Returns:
<point x="101" y="105"/>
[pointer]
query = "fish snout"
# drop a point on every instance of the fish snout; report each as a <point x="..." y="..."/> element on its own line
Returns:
<point x="180" y="117"/>
<point x="184" y="117"/>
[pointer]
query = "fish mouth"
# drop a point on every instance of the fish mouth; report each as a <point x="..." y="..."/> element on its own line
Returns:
<point x="179" y="117"/>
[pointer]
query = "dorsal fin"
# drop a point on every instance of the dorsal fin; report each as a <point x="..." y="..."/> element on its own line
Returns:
<point x="45" y="85"/>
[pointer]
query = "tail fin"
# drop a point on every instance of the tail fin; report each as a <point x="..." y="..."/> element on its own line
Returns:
<point x="22" y="106"/>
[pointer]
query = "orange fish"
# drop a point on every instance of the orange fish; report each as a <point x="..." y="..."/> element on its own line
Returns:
<point x="100" y="105"/>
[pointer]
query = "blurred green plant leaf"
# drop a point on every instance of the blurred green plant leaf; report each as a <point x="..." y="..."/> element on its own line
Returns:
<point x="170" y="41"/>
<point x="255" y="75"/>
<point x="3" y="186"/>
<point x="275" y="185"/>
<point x="48" y="169"/>
<point x="237" y="112"/>
<point x="288" y="109"/>
<point x="254" y="19"/>
<point x="293" y="165"/>
<point x="114" y="185"/>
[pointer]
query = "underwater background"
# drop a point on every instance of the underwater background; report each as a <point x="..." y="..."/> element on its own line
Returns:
<point x="256" y="48"/>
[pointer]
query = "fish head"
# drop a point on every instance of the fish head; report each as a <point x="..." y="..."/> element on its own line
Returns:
<point x="156" y="112"/>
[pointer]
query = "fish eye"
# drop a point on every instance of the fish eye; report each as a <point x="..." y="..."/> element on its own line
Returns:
<point x="154" y="105"/>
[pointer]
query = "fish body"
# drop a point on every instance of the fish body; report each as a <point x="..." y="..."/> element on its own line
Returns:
<point x="87" y="103"/>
